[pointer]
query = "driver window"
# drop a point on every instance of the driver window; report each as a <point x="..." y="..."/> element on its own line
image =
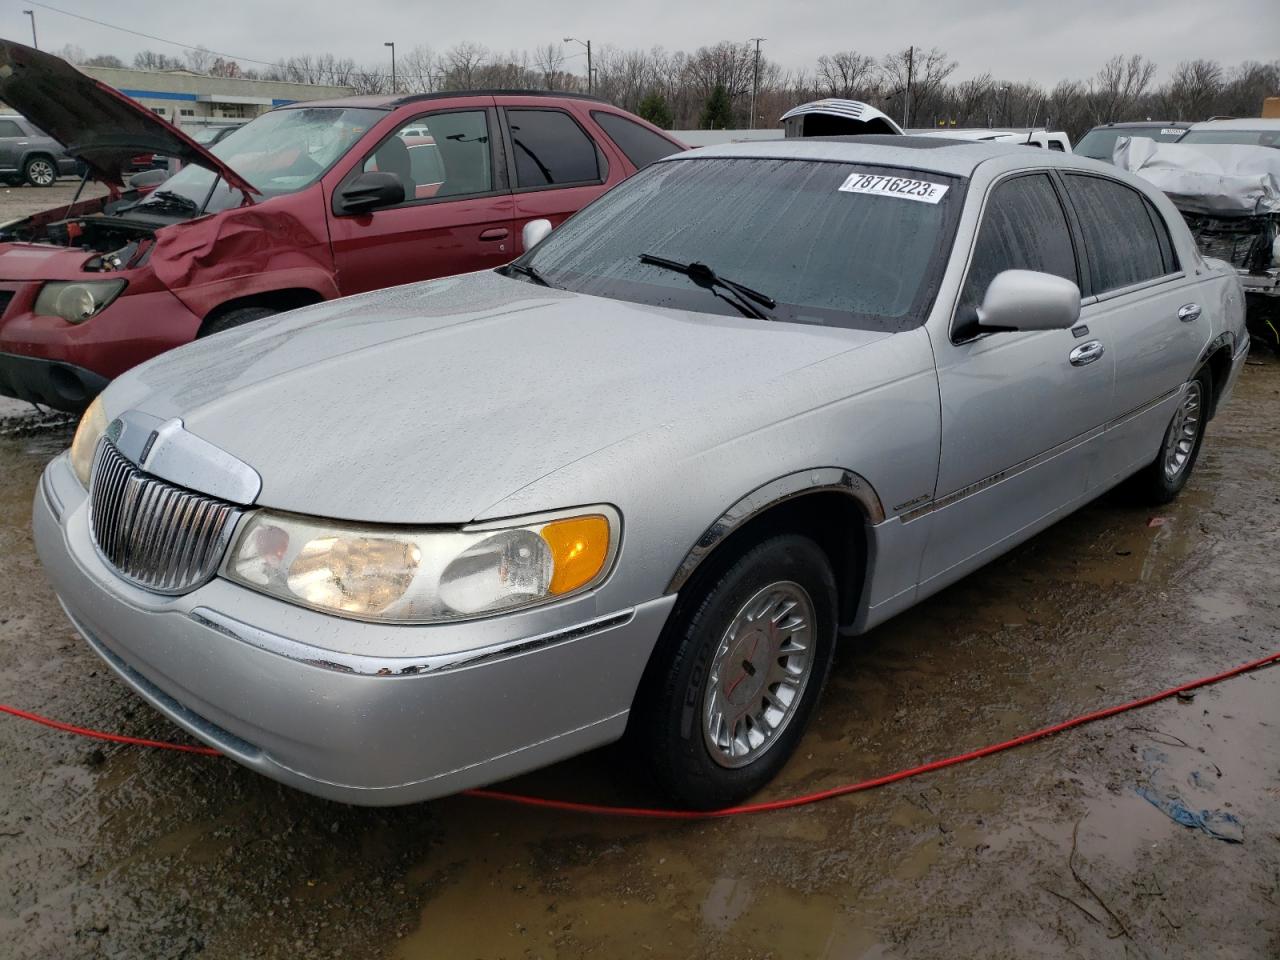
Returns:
<point x="1023" y="228"/>
<point x="438" y="155"/>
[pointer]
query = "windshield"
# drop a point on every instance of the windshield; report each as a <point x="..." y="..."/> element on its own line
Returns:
<point x="832" y="243"/>
<point x="206" y="135"/>
<point x="1256" y="138"/>
<point x="1101" y="144"/>
<point x="280" y="152"/>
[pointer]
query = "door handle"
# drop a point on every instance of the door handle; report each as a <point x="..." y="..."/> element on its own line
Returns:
<point x="495" y="233"/>
<point x="1086" y="353"/>
<point x="1188" y="312"/>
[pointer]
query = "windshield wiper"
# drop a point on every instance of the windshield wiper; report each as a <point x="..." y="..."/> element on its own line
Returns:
<point x="531" y="272"/>
<point x="744" y="298"/>
<point x="167" y="198"/>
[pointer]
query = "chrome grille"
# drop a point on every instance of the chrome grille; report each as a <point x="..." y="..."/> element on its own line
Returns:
<point x="157" y="535"/>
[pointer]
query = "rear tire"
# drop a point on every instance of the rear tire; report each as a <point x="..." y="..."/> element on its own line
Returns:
<point x="1163" y="479"/>
<point x="737" y="674"/>
<point x="40" y="171"/>
<point x="235" y="318"/>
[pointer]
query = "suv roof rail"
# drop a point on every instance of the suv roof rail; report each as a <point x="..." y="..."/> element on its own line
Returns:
<point x="443" y="94"/>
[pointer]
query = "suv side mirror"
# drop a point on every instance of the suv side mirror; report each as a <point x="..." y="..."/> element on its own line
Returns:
<point x="534" y="232"/>
<point x="1029" y="300"/>
<point x="367" y="192"/>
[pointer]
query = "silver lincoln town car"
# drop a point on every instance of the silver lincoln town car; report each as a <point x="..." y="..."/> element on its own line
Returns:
<point x="639" y="481"/>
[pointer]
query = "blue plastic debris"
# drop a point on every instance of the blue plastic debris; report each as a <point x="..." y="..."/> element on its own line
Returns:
<point x="1219" y="825"/>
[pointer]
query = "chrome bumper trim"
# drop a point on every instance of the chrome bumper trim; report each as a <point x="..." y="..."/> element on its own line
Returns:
<point x="366" y="666"/>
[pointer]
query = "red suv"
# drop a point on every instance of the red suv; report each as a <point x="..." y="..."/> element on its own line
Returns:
<point x="308" y="202"/>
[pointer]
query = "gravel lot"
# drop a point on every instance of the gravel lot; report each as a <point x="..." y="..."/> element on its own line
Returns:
<point x="1047" y="851"/>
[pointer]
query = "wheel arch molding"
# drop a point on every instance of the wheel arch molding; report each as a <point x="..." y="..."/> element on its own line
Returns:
<point x="768" y="497"/>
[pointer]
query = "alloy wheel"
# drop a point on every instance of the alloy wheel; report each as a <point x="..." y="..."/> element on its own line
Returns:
<point x="758" y="674"/>
<point x="41" y="173"/>
<point x="1180" y="441"/>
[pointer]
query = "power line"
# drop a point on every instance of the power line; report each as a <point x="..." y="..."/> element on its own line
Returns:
<point x="148" y="36"/>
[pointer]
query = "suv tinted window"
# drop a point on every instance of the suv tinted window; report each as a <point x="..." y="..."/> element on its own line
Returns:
<point x="641" y="145"/>
<point x="9" y="128"/>
<point x="1119" y="237"/>
<point x="550" y="148"/>
<point x="1023" y="228"/>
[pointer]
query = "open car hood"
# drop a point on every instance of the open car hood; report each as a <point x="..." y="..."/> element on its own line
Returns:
<point x="98" y="125"/>
<point x="833" y="117"/>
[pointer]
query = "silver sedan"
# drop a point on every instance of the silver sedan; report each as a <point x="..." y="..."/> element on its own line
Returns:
<point x="638" y="482"/>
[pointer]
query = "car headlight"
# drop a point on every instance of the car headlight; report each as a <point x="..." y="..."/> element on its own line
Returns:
<point x="78" y="300"/>
<point x="92" y="425"/>
<point x="421" y="575"/>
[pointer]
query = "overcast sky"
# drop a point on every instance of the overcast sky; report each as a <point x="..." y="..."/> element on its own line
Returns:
<point x="1044" y="40"/>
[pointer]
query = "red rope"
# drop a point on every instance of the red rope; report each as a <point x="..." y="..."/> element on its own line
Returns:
<point x="767" y="806"/>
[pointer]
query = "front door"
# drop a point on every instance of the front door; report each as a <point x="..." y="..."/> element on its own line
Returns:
<point x="12" y="140"/>
<point x="1023" y="413"/>
<point x="457" y="212"/>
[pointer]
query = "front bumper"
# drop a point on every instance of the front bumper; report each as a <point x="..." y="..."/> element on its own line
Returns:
<point x="361" y="727"/>
<point x="62" y="386"/>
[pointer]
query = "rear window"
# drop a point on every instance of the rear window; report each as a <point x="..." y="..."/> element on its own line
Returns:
<point x="1100" y="143"/>
<point x="835" y="244"/>
<point x="641" y="145"/>
<point x="551" y="149"/>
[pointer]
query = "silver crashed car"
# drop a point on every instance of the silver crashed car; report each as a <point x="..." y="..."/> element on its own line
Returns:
<point x="638" y="482"/>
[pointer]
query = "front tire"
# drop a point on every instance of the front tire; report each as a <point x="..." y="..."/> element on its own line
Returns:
<point x="738" y="673"/>
<point x="235" y="318"/>
<point x="1163" y="479"/>
<point x="40" y="172"/>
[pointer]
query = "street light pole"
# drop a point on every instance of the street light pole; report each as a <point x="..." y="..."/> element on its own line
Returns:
<point x="392" y="45"/>
<point x="755" y="82"/>
<point x="32" y="15"/>
<point x="590" y="72"/>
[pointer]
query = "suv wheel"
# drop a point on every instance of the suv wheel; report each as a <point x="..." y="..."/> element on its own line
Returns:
<point x="235" y="318"/>
<point x="738" y="674"/>
<point x="40" y="172"/>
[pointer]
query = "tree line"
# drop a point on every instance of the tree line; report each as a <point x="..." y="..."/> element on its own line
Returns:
<point x="713" y="86"/>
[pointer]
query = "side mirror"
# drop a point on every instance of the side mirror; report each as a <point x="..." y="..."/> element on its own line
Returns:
<point x="369" y="191"/>
<point x="1029" y="300"/>
<point x="534" y="232"/>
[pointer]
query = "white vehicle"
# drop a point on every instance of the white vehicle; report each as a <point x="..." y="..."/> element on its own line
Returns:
<point x="1030" y="136"/>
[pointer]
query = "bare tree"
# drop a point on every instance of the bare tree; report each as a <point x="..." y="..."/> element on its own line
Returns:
<point x="462" y="65"/>
<point x="848" y="74"/>
<point x="419" y="70"/>
<point x="151" y="60"/>
<point x="547" y="59"/>
<point x="913" y="78"/>
<point x="1192" y="91"/>
<point x="199" y="60"/>
<point x="1116" y="89"/>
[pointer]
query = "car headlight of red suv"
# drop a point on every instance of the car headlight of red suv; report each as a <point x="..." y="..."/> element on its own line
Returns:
<point x="78" y="300"/>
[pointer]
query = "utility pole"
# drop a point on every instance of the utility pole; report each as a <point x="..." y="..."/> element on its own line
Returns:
<point x="391" y="44"/>
<point x="590" y="72"/>
<point x="32" y="15"/>
<point x="755" y="82"/>
<point x="906" y="104"/>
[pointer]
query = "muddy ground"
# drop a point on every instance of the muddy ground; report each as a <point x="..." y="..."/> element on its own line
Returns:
<point x="1047" y="851"/>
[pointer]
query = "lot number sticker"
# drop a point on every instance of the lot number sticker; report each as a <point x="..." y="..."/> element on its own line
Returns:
<point x="903" y="188"/>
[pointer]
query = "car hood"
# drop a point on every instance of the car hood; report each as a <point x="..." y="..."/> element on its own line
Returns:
<point x="96" y="124"/>
<point x="432" y="402"/>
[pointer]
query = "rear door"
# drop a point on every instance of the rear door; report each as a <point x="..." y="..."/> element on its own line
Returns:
<point x="1141" y="301"/>
<point x="457" y="212"/>
<point x="1021" y="414"/>
<point x="557" y="165"/>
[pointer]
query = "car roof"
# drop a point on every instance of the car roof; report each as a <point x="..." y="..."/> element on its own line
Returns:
<point x="953" y="157"/>
<point x="1243" y="123"/>
<point x="390" y="101"/>
<point x="1181" y="124"/>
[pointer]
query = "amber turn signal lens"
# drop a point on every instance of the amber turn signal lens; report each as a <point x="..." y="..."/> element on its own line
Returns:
<point x="579" y="549"/>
